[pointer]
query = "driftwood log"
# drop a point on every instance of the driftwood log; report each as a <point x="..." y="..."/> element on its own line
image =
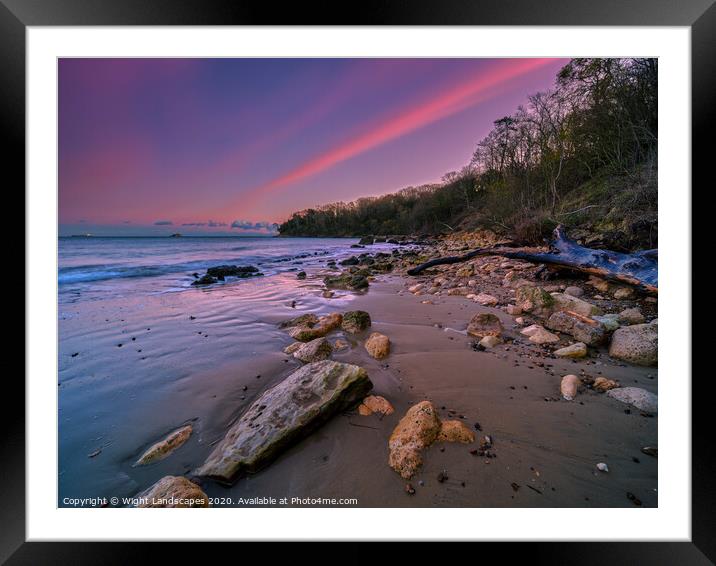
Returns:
<point x="639" y="269"/>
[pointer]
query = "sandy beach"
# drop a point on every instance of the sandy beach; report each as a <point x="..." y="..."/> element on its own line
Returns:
<point x="134" y="369"/>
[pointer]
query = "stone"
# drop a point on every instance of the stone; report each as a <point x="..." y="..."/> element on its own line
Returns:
<point x="323" y="326"/>
<point x="604" y="384"/>
<point x="623" y="293"/>
<point x="366" y="241"/>
<point x="416" y="288"/>
<point x="283" y="415"/>
<point x="455" y="431"/>
<point x="164" y="447"/>
<point x="534" y="300"/>
<point x="486" y="300"/>
<point x="531" y="329"/>
<point x="599" y="284"/>
<point x="314" y="351"/>
<point x="637" y="344"/>
<point x="490" y="341"/>
<point x="569" y="387"/>
<point x="291" y="348"/>
<point x="375" y="404"/>
<point x="610" y="322"/>
<point x="173" y="491"/>
<point x="513" y="310"/>
<point x="204" y="280"/>
<point x="355" y="321"/>
<point x="637" y="397"/>
<point x="568" y="303"/>
<point x="301" y="275"/>
<point x="576" y="350"/>
<point x="574" y="291"/>
<point x="340" y="344"/>
<point x="590" y="334"/>
<point x="378" y="345"/>
<point x="221" y="271"/>
<point x="303" y="320"/>
<point x="348" y="281"/>
<point x="484" y="324"/>
<point x="417" y="430"/>
<point x="542" y="336"/>
<point x="631" y="316"/>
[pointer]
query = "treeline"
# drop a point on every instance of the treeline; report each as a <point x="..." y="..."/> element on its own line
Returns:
<point x="583" y="154"/>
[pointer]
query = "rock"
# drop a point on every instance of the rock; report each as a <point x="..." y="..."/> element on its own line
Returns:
<point x="602" y="467"/>
<point x="301" y="275"/>
<point x="303" y="320"/>
<point x="466" y="271"/>
<point x="542" y="336"/>
<point x="163" y="448"/>
<point x="534" y="300"/>
<point x="631" y="316"/>
<point x="355" y="321"/>
<point x="455" y="431"/>
<point x="348" y="281"/>
<point x="322" y="327"/>
<point x="221" y="271"/>
<point x="610" y="322"/>
<point x="623" y="293"/>
<point x="375" y="404"/>
<point x="314" y="351"/>
<point x="484" y="324"/>
<point x="590" y="334"/>
<point x="530" y="330"/>
<point x="519" y="320"/>
<point x="173" y="491"/>
<point x="417" y="430"/>
<point x="353" y="260"/>
<point x="340" y="344"/>
<point x="490" y="341"/>
<point x="576" y="350"/>
<point x="574" y="291"/>
<point x="291" y="348"/>
<point x="366" y="241"/>
<point x="284" y="414"/>
<point x="637" y="344"/>
<point x="598" y="284"/>
<point x="377" y="345"/>
<point x="637" y="397"/>
<point x="204" y="280"/>
<point x="416" y="288"/>
<point x="569" y="386"/>
<point x="568" y="303"/>
<point x="327" y="294"/>
<point x="486" y="300"/>
<point x="513" y="310"/>
<point x="603" y="384"/>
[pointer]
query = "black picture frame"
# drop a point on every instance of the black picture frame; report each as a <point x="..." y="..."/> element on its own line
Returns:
<point x="699" y="15"/>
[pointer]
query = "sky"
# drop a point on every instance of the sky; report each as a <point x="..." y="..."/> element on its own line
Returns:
<point x="232" y="146"/>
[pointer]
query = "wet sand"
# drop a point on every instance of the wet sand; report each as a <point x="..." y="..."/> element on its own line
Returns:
<point x="209" y="369"/>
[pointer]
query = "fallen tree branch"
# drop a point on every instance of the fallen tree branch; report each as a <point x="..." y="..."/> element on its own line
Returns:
<point x="639" y="269"/>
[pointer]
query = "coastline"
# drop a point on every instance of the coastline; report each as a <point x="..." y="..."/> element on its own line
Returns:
<point x="545" y="446"/>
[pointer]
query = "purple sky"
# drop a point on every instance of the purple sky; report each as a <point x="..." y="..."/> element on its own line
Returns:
<point x="155" y="146"/>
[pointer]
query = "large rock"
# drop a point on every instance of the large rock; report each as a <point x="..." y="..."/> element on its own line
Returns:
<point x="637" y="344"/>
<point x="221" y="271"/>
<point x="283" y="415"/>
<point x="637" y="397"/>
<point x="314" y="351"/>
<point x="309" y="319"/>
<point x="164" y="447"/>
<point x="484" y="324"/>
<point x="378" y="345"/>
<point x="569" y="303"/>
<point x="355" y="321"/>
<point x="308" y="332"/>
<point x="349" y="281"/>
<point x="366" y="241"/>
<point x="534" y="300"/>
<point x="173" y="491"/>
<point x="417" y="430"/>
<point x="590" y="334"/>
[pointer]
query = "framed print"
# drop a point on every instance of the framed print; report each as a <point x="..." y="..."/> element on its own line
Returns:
<point x="392" y="279"/>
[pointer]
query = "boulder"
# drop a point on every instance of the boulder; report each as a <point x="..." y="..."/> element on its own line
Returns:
<point x="569" y="303"/>
<point x="221" y="271"/>
<point x="569" y="387"/>
<point x="353" y="260"/>
<point x="637" y="344"/>
<point x="323" y="326"/>
<point x="590" y="334"/>
<point x="348" y="281"/>
<point x="204" y="280"/>
<point x="484" y="324"/>
<point x="164" y="447"/>
<point x="576" y="350"/>
<point x="417" y="430"/>
<point x="455" y="431"/>
<point x="284" y="414"/>
<point x="355" y="321"/>
<point x="631" y="316"/>
<point x="375" y="404"/>
<point x="378" y="345"/>
<point x="534" y="300"/>
<point x="173" y="491"/>
<point x="303" y="320"/>
<point x="313" y="351"/>
<point x="366" y="241"/>
<point x="637" y="397"/>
